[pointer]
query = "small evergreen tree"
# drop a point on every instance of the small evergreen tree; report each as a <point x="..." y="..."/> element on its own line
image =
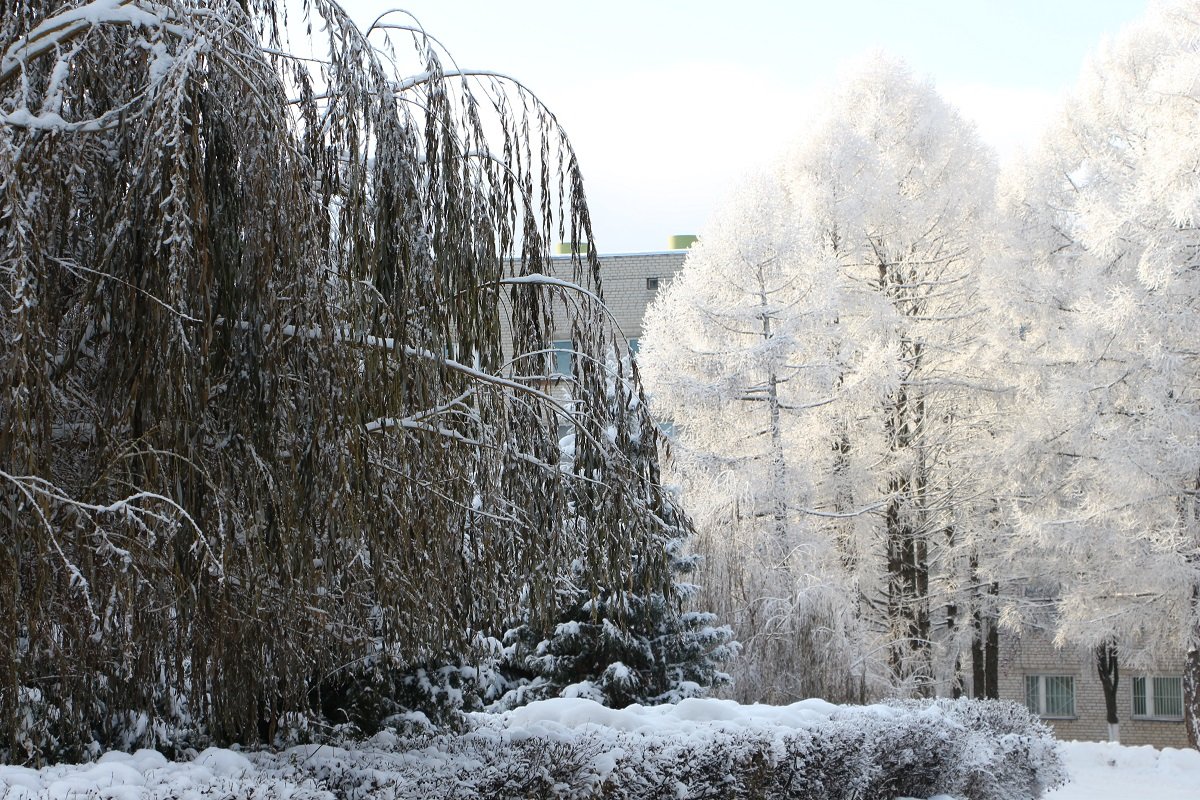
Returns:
<point x="632" y="644"/>
<point x="628" y="643"/>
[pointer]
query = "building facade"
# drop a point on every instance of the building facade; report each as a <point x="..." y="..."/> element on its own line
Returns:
<point x="1062" y="686"/>
<point x="629" y="283"/>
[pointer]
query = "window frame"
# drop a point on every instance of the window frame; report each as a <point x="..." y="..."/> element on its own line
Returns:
<point x="1148" y="694"/>
<point x="563" y="351"/>
<point x="1040" y="704"/>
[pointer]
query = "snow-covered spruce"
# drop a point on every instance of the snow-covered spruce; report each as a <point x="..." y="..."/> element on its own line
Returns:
<point x="625" y="646"/>
<point x="575" y="748"/>
<point x="632" y="641"/>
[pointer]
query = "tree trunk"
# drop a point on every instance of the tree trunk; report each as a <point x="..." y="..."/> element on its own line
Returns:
<point x="909" y="618"/>
<point x="956" y="682"/>
<point x="991" y="665"/>
<point x="844" y="502"/>
<point x="1191" y="676"/>
<point x="1191" y="692"/>
<point x="978" y="681"/>
<point x="985" y="651"/>
<point x="778" y="458"/>
<point x="1106" y="665"/>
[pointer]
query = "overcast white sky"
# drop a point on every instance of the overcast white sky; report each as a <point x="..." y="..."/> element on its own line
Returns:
<point x="669" y="103"/>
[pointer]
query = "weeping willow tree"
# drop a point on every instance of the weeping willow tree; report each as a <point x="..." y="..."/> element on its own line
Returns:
<point x="274" y="331"/>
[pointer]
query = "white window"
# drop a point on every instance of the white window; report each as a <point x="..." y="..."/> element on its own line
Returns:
<point x="1050" y="696"/>
<point x="1158" y="697"/>
<point x="562" y="357"/>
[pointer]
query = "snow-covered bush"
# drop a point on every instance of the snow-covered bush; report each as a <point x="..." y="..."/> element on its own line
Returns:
<point x="574" y="748"/>
<point x="579" y="750"/>
<point x="980" y="750"/>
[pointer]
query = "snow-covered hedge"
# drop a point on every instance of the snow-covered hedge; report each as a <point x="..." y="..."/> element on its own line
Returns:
<point x="577" y="749"/>
<point x="716" y="748"/>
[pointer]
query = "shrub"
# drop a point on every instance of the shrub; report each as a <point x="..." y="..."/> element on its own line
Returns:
<point x="977" y="750"/>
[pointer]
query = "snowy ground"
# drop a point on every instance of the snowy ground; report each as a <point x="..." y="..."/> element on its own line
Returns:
<point x="1099" y="771"/>
<point x="1103" y="771"/>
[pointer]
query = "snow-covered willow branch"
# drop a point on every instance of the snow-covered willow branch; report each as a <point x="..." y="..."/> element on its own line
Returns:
<point x="221" y="267"/>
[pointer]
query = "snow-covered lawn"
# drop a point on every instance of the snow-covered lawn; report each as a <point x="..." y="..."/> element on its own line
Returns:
<point x="1103" y="771"/>
<point x="1099" y="771"/>
<point x="503" y="750"/>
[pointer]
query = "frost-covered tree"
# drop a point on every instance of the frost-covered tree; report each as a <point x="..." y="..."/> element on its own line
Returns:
<point x="262" y="427"/>
<point x="817" y="354"/>
<point x="725" y="347"/>
<point x="1108" y="208"/>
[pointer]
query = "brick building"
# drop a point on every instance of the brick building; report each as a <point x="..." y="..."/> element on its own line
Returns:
<point x="630" y="282"/>
<point x="1062" y="685"/>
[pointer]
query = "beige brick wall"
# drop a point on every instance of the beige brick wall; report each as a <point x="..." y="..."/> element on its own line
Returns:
<point x="623" y="285"/>
<point x="623" y="279"/>
<point x="1033" y="653"/>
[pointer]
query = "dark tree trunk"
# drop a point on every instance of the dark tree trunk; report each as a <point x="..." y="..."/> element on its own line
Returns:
<point x="907" y="564"/>
<point x="845" y="501"/>
<point x="1106" y="665"/>
<point x="956" y="685"/>
<point x="985" y="650"/>
<point x="978" y="681"/>
<point x="991" y="665"/>
<point x="1191" y="677"/>
<point x="1191" y="694"/>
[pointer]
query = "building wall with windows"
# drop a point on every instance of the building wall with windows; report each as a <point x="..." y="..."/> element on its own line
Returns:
<point x="1063" y="687"/>
<point x="629" y="282"/>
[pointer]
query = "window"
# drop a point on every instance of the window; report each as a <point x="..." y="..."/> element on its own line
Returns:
<point x="1050" y="695"/>
<point x="562" y="357"/>
<point x="652" y="284"/>
<point x="1158" y="697"/>
<point x="633" y="346"/>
